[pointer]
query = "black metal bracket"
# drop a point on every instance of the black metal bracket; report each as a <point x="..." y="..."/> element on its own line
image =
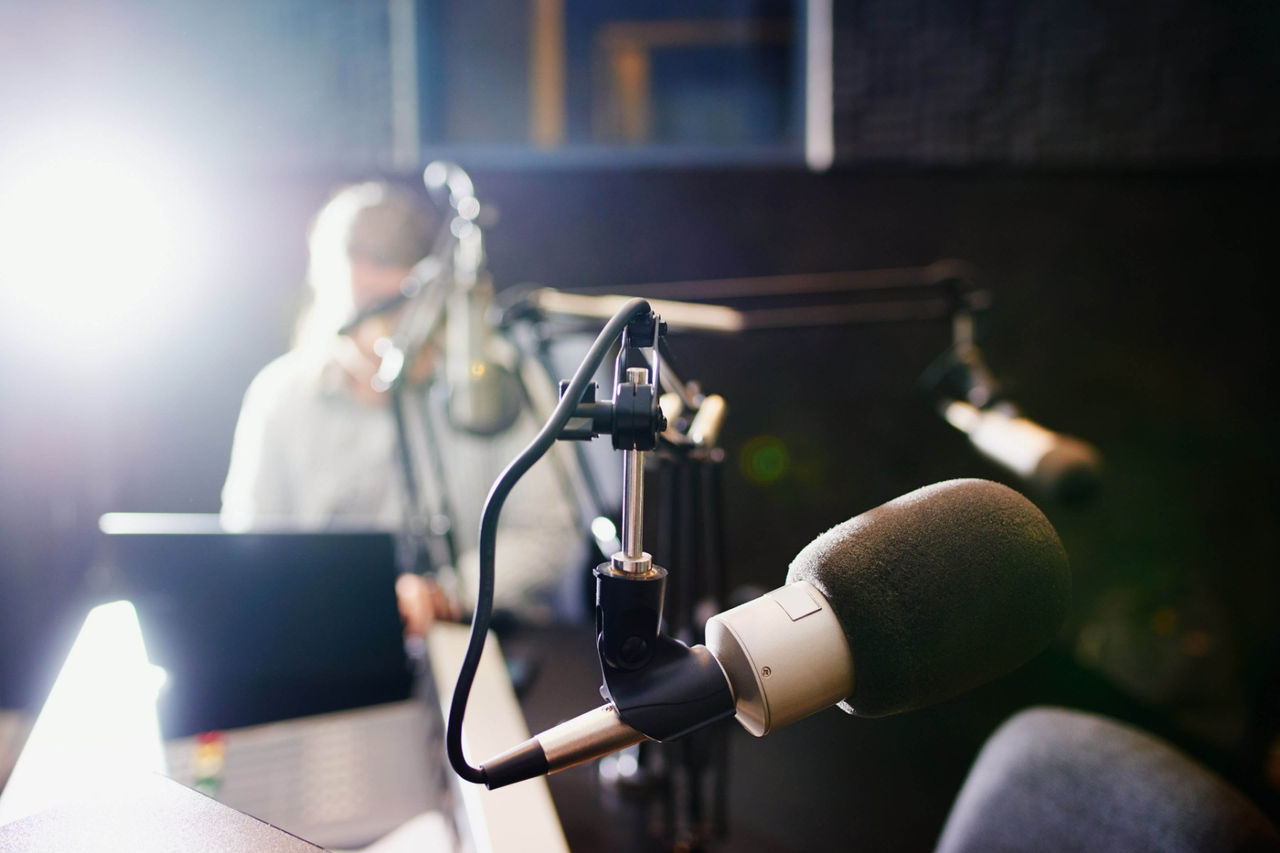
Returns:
<point x="661" y="687"/>
<point x="633" y="417"/>
<point x="679" y="690"/>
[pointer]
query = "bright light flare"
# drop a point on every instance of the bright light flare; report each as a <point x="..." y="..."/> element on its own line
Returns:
<point x="99" y="724"/>
<point x="603" y="528"/>
<point x="98" y="234"/>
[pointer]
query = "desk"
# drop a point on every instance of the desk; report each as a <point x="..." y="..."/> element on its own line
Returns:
<point x="91" y="769"/>
<point x="148" y="814"/>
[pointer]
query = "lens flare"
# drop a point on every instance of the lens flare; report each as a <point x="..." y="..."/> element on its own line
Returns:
<point x="764" y="460"/>
<point x="99" y="233"/>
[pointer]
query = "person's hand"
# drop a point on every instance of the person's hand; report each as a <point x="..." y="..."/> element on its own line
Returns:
<point x="422" y="601"/>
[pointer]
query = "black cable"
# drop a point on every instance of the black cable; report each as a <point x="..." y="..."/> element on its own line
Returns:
<point x="489" y="527"/>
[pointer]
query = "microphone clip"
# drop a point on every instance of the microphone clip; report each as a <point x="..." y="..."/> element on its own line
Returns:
<point x="681" y="689"/>
<point x="633" y="417"/>
<point x="659" y="686"/>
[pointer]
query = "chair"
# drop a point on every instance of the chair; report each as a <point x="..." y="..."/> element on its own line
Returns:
<point x="1057" y="780"/>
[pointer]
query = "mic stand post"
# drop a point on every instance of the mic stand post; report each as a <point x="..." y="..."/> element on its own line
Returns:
<point x="453" y="265"/>
<point x="659" y="685"/>
<point x="425" y="289"/>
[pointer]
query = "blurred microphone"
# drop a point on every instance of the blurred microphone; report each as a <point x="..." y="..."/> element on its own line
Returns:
<point x="704" y="429"/>
<point x="909" y="604"/>
<point x="1058" y="466"/>
<point x="484" y="397"/>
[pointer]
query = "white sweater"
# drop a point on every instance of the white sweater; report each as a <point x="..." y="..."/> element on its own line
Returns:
<point x="307" y="454"/>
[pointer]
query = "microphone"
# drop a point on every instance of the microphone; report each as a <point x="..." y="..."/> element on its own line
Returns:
<point x="483" y="396"/>
<point x="903" y="606"/>
<point x="1059" y="466"/>
<point x="704" y="429"/>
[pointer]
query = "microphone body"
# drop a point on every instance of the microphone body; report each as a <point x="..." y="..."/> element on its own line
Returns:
<point x="704" y="429"/>
<point x="1057" y="465"/>
<point x="785" y="656"/>
<point x="911" y="603"/>
<point x="484" y="396"/>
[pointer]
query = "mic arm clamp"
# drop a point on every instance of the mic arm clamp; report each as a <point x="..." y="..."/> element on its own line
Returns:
<point x="681" y="688"/>
<point x="633" y="417"/>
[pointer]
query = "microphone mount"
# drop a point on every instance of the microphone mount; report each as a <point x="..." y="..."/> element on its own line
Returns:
<point x="632" y="418"/>
<point x="659" y="686"/>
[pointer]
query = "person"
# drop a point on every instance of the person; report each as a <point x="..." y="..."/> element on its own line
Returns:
<point x="316" y="444"/>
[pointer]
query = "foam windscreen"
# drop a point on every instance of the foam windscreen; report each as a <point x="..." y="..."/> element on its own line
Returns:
<point x="939" y="591"/>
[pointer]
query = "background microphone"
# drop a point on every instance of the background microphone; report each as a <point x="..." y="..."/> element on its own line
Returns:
<point x="484" y="396"/>
<point x="911" y="603"/>
<point x="1058" y="466"/>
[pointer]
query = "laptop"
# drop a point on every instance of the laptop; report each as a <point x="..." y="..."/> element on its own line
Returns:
<point x="258" y="627"/>
<point x="289" y="693"/>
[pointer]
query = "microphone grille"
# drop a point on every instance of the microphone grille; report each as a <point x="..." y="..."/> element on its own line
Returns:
<point x="939" y="591"/>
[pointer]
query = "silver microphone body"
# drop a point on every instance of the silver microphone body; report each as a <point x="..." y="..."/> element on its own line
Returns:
<point x="1053" y="463"/>
<point x="784" y="655"/>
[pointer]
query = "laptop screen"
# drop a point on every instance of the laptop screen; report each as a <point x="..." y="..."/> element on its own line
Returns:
<point x="257" y="627"/>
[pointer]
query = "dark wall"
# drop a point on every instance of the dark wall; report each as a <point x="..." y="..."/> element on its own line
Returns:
<point x="1125" y="311"/>
<point x="1055" y="83"/>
